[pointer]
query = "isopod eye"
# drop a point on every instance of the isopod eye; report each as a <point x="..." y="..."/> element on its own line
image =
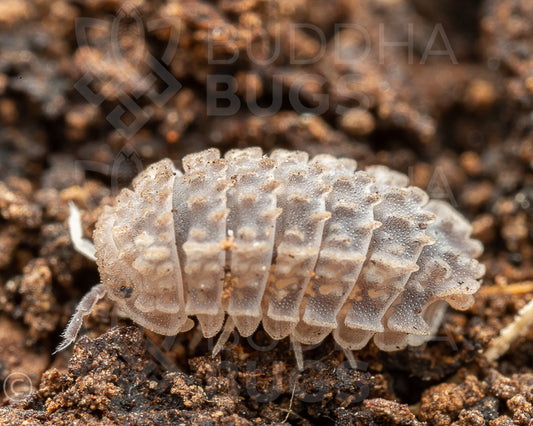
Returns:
<point x="126" y="291"/>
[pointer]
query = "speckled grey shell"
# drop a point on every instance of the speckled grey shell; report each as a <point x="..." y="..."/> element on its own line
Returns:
<point x="305" y="247"/>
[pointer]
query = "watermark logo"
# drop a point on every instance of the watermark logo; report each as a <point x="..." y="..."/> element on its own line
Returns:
<point x="119" y="65"/>
<point x="364" y="45"/>
<point x="126" y="165"/>
<point x="309" y="92"/>
<point x="118" y="70"/>
<point x="438" y="186"/>
<point x="17" y="386"/>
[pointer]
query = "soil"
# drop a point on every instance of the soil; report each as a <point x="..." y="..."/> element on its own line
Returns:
<point x="91" y="92"/>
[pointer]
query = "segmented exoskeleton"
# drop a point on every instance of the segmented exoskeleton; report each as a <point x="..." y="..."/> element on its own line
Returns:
<point x="305" y="247"/>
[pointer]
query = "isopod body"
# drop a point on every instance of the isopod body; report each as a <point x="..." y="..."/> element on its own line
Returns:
<point x="305" y="247"/>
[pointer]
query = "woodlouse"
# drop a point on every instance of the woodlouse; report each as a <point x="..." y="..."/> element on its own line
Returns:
<point x="307" y="248"/>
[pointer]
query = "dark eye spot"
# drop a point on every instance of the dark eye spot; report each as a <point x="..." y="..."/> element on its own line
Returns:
<point x="126" y="291"/>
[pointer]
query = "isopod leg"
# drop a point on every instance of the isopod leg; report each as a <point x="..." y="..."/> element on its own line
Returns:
<point x="224" y="336"/>
<point x="81" y="245"/>
<point x="195" y="339"/>
<point x="83" y="309"/>
<point x="350" y="358"/>
<point x="298" y="354"/>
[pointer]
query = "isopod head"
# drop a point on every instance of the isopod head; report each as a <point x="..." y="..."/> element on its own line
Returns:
<point x="136" y="256"/>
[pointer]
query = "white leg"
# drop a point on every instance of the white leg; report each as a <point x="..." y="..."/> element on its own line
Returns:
<point x="224" y="336"/>
<point x="81" y="245"/>
<point x="350" y="358"/>
<point x="83" y="309"/>
<point x="195" y="340"/>
<point x="298" y="354"/>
